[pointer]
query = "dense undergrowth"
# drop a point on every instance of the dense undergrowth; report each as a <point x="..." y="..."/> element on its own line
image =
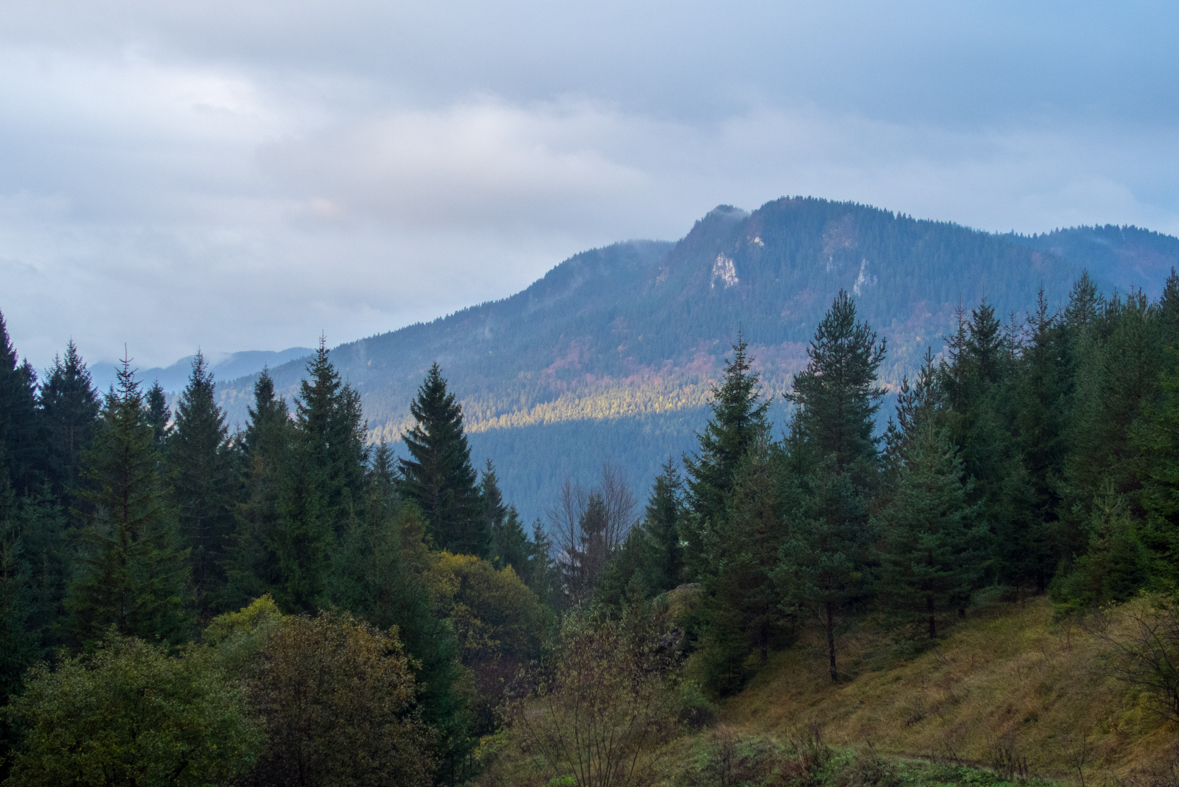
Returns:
<point x="1016" y="693"/>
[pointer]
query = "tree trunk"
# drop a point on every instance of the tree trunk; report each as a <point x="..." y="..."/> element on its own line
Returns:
<point x="831" y="639"/>
<point x="929" y="610"/>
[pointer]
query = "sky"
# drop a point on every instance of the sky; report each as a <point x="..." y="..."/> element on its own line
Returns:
<point x="230" y="176"/>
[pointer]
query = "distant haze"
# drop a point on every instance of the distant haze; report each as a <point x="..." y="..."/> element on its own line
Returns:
<point x="246" y="177"/>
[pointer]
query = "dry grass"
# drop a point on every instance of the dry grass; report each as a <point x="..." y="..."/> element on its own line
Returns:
<point x="1008" y="683"/>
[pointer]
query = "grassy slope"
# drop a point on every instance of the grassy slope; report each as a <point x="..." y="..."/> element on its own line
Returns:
<point x="1008" y="675"/>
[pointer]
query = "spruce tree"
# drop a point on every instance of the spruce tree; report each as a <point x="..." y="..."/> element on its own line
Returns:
<point x="1042" y="398"/>
<point x="376" y="575"/>
<point x="130" y="571"/>
<point x="662" y="524"/>
<point x="69" y="410"/>
<point x="252" y="560"/>
<point x="201" y="468"/>
<point x="321" y="491"/>
<point x="22" y="448"/>
<point x="438" y="476"/>
<point x="738" y="417"/>
<point x="509" y="542"/>
<point x="332" y="437"/>
<point x="743" y="606"/>
<point x="827" y="553"/>
<point x="158" y="414"/>
<point x="933" y="553"/>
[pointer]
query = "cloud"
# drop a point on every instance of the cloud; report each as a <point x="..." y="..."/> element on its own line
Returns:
<point x="244" y="176"/>
<point x="477" y="164"/>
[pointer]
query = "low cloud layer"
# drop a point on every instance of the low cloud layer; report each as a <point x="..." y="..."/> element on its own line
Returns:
<point x="202" y="175"/>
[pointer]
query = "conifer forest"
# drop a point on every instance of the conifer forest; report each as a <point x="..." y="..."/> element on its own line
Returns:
<point x="296" y="603"/>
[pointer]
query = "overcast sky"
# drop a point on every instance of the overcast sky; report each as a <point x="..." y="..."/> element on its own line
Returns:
<point x="235" y="176"/>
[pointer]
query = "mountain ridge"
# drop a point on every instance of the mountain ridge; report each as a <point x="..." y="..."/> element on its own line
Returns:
<point x="631" y="336"/>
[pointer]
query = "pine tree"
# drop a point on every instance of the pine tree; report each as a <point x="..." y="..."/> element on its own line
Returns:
<point x="21" y="444"/>
<point x="542" y="576"/>
<point x="743" y="600"/>
<point x="738" y="417"/>
<point x="252" y="561"/>
<point x="332" y="434"/>
<point x="1085" y="304"/>
<point x="586" y="559"/>
<point x="201" y="467"/>
<point x="158" y="414"/>
<point x="662" y="524"/>
<point x="69" y="410"/>
<point x="131" y="573"/>
<point x="1042" y="398"/>
<point x="1114" y="568"/>
<point x="32" y="577"/>
<point x="321" y="492"/>
<point x="509" y="543"/>
<point x="827" y="552"/>
<point x="933" y="556"/>
<point x="438" y="476"/>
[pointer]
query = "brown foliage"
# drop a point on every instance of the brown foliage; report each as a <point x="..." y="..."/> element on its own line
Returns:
<point x="601" y="712"/>
<point x="336" y="698"/>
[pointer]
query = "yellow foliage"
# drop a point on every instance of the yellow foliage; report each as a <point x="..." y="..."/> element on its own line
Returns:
<point x="260" y="614"/>
<point x="1012" y="678"/>
<point x="493" y="613"/>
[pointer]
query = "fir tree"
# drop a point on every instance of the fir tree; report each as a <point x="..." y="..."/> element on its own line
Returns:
<point x="158" y="414"/>
<point x="252" y="561"/>
<point x="662" y="524"/>
<point x="21" y="443"/>
<point x="827" y="552"/>
<point x="69" y="409"/>
<point x="201" y="467"/>
<point x="743" y="598"/>
<point x="509" y="542"/>
<point x="1043" y="396"/>
<point x="738" y="417"/>
<point x="438" y="476"/>
<point x="321" y="492"/>
<point x="933" y="555"/>
<point x="131" y="573"/>
<point x="332" y="431"/>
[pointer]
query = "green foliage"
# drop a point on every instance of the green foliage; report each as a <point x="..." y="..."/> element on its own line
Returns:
<point x="599" y="713"/>
<point x="252" y="555"/>
<point x="202" y="470"/>
<point x="322" y="488"/>
<point x="130" y="573"/>
<point x="1114" y="568"/>
<point x="32" y="583"/>
<point x="158" y="415"/>
<point x="336" y="699"/>
<point x="825" y="559"/>
<point x="69" y="411"/>
<point x="130" y="714"/>
<point x="438" y="476"/>
<point x="744" y="610"/>
<point x="21" y="445"/>
<point x="738" y="417"/>
<point x="933" y="556"/>
<point x="499" y="623"/>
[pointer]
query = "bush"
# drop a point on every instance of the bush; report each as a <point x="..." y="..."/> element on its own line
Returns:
<point x="336" y="698"/>
<point x="600" y="713"/>
<point x="131" y="714"/>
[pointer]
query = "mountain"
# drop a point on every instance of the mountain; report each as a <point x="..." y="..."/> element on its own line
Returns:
<point x="1127" y="256"/>
<point x="226" y="367"/>
<point x="611" y="355"/>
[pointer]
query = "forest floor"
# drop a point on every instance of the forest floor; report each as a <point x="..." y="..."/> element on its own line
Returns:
<point x="1009" y="689"/>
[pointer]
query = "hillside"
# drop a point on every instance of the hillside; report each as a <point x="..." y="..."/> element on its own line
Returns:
<point x="630" y="337"/>
<point x="1008" y="677"/>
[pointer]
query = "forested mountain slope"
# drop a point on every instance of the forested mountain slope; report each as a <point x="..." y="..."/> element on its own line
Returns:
<point x="629" y="338"/>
